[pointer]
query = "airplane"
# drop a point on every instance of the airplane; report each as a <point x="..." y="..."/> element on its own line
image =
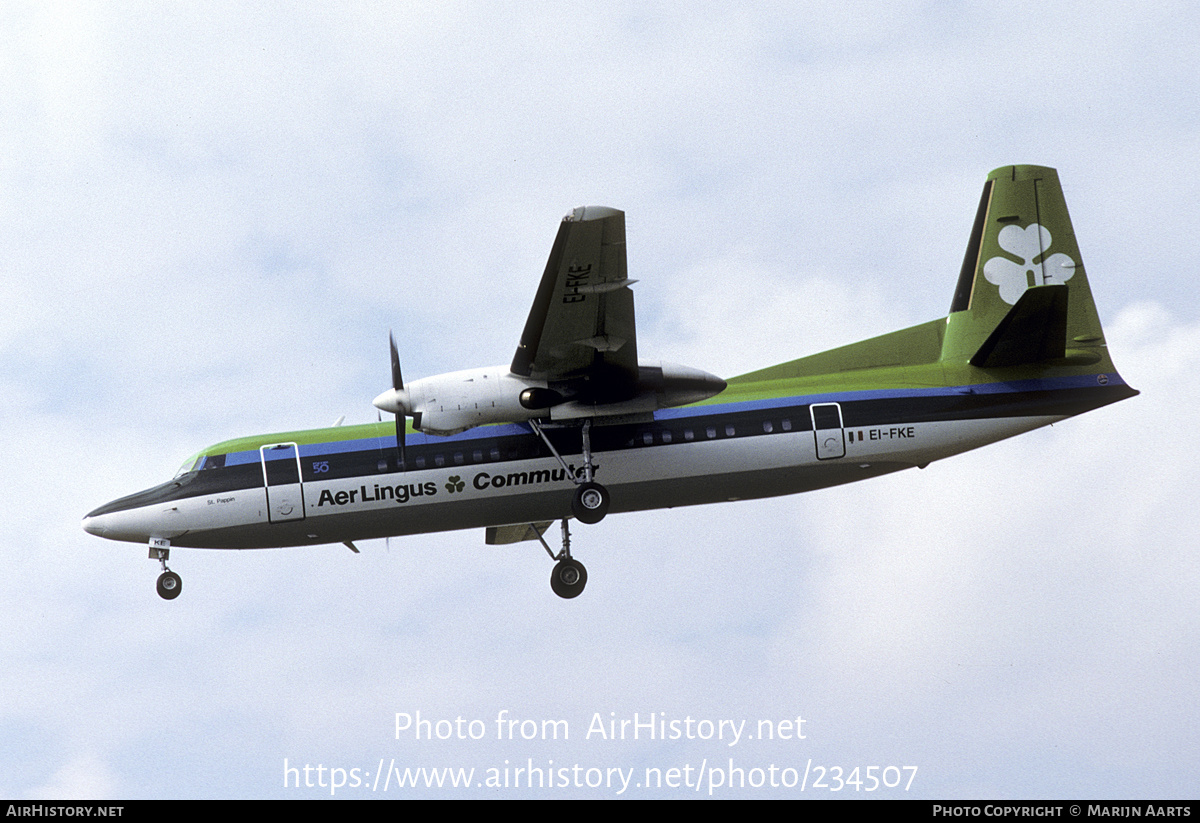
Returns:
<point x="577" y="426"/>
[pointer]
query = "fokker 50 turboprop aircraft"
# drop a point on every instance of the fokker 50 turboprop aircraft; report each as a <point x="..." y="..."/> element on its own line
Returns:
<point x="577" y="426"/>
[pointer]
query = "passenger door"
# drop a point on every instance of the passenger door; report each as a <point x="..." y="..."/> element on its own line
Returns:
<point x="827" y="429"/>
<point x="282" y="479"/>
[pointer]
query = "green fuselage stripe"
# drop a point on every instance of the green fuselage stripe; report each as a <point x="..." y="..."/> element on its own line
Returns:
<point x="366" y="451"/>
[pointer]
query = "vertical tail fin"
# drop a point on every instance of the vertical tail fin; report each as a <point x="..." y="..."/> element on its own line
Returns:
<point x="1023" y="296"/>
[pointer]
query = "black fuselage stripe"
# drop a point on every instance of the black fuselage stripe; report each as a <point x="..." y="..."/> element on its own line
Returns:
<point x="721" y="425"/>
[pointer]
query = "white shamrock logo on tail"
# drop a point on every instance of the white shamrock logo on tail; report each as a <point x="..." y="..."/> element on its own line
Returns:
<point x="1026" y="243"/>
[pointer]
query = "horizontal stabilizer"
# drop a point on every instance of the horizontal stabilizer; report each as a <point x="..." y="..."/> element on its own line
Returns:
<point x="503" y="535"/>
<point x="1033" y="331"/>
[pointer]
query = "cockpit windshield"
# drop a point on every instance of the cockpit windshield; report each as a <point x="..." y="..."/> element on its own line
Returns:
<point x="190" y="465"/>
<point x="201" y="462"/>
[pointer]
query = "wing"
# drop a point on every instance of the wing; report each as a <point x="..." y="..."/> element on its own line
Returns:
<point x="581" y="330"/>
<point x="502" y="535"/>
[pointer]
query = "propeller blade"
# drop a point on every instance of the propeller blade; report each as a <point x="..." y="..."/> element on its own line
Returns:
<point x="397" y="380"/>
<point x="398" y="385"/>
<point x="400" y="426"/>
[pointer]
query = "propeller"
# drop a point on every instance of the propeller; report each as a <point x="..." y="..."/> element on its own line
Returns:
<point x="400" y="411"/>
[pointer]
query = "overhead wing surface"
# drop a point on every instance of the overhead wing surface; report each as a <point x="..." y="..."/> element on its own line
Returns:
<point x="581" y="327"/>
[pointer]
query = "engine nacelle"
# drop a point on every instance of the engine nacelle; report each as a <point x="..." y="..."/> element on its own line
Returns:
<point x="450" y="403"/>
<point x="660" y="386"/>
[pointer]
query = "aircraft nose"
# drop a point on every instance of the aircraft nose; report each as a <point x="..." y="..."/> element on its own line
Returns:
<point x="94" y="525"/>
<point x="137" y="517"/>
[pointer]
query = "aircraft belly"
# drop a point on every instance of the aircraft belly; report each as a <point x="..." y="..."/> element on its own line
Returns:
<point x="678" y="474"/>
<point x="921" y="443"/>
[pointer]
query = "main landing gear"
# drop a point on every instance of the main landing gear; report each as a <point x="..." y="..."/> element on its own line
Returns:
<point x="169" y="583"/>
<point x="591" y="500"/>
<point x="569" y="576"/>
<point x="589" y="504"/>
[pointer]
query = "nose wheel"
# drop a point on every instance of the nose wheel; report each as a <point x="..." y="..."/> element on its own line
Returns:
<point x="169" y="583"/>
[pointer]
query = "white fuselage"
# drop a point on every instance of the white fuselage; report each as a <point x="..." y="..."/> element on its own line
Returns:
<point x="679" y="463"/>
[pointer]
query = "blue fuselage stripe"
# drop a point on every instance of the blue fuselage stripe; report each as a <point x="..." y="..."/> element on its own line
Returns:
<point x="472" y="437"/>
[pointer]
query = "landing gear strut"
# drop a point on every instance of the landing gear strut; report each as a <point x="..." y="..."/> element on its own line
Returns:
<point x="591" y="500"/>
<point x="169" y="583"/>
<point x="569" y="576"/>
<point x="588" y="505"/>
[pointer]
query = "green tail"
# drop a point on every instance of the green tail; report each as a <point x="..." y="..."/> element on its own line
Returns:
<point x="1023" y="297"/>
<point x="1022" y="307"/>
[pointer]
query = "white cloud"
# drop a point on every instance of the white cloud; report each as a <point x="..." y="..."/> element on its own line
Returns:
<point x="83" y="778"/>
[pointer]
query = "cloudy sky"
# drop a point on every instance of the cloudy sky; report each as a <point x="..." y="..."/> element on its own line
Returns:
<point x="213" y="215"/>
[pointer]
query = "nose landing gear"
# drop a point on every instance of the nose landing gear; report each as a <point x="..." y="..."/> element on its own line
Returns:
<point x="169" y="583"/>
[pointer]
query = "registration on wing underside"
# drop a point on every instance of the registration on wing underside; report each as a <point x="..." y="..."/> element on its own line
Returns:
<point x="582" y="320"/>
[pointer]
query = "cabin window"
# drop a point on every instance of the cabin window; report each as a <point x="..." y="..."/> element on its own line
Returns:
<point x="648" y="438"/>
<point x="786" y="425"/>
<point x="439" y="460"/>
<point x="730" y="431"/>
<point x="710" y="432"/>
<point x="767" y="427"/>
<point x="689" y="435"/>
